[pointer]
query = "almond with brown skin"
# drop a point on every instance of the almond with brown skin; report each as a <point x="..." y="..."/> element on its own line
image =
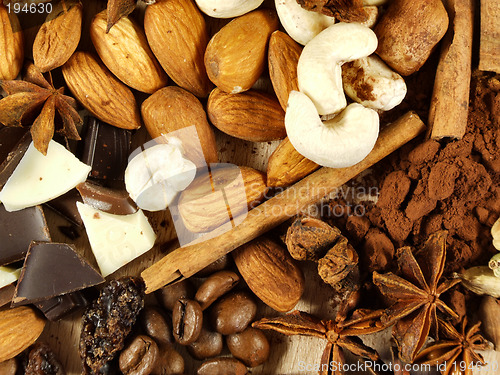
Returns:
<point x="286" y="166"/>
<point x="222" y="194"/>
<point x="173" y="108"/>
<point x="126" y="53"/>
<point x="271" y="273"/>
<point x="11" y="45"/>
<point x="178" y="36"/>
<point x="283" y="58"/>
<point x="58" y="36"/>
<point x="236" y="56"/>
<point x="100" y="92"/>
<point x="252" y="115"/>
<point x="19" y="328"/>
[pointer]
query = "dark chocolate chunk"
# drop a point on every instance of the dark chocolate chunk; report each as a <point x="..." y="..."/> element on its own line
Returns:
<point x="13" y="144"/>
<point x="65" y="205"/>
<point x="106" y="149"/>
<point x="18" y="229"/>
<point x="57" y="307"/>
<point x="70" y="231"/>
<point x="6" y="294"/>
<point x="113" y="201"/>
<point x="108" y="321"/>
<point x="52" y="269"/>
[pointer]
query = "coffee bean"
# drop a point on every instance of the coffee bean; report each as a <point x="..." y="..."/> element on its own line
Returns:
<point x="8" y="367"/>
<point x="139" y="358"/>
<point x="168" y="295"/>
<point x="170" y="362"/>
<point x="218" y="265"/>
<point x="156" y="325"/>
<point x="250" y="346"/>
<point x="222" y="366"/>
<point x="215" y="286"/>
<point x="233" y="313"/>
<point x="209" y="344"/>
<point x="187" y="321"/>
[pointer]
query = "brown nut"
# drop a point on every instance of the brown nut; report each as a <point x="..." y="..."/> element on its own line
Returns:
<point x="233" y="313"/>
<point x="170" y="362"/>
<point x="215" y="286"/>
<point x="209" y="344"/>
<point x="139" y="358"/>
<point x="156" y="326"/>
<point x="168" y="295"/>
<point x="187" y="321"/>
<point x="8" y="367"/>
<point x="222" y="366"/>
<point x="250" y="346"/>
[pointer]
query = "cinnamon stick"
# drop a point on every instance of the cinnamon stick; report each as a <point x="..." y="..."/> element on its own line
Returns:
<point x="186" y="261"/>
<point x="489" y="50"/>
<point x="450" y="99"/>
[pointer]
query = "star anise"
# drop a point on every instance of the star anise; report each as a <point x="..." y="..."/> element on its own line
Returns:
<point x="340" y="334"/>
<point x="458" y="351"/>
<point x="121" y="8"/>
<point x="342" y="10"/>
<point x="415" y="294"/>
<point x="35" y="96"/>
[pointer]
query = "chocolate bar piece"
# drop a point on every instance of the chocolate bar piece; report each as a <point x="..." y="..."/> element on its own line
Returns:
<point x="13" y="144"/>
<point x="65" y="205"/>
<point x="56" y="308"/>
<point x="116" y="202"/>
<point x="51" y="269"/>
<point x="18" y="229"/>
<point x="106" y="149"/>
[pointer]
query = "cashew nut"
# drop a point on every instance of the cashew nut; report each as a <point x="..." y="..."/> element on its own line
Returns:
<point x="155" y="176"/>
<point x="319" y="69"/>
<point x="340" y="142"/>
<point x="369" y="81"/>
<point x="227" y="8"/>
<point x="302" y="25"/>
<point x="374" y="2"/>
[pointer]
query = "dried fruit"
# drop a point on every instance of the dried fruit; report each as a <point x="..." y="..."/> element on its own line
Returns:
<point x="58" y="36"/>
<point x="11" y="44"/>
<point x="43" y="361"/>
<point x="24" y="100"/>
<point x="100" y="92"/>
<point x="108" y="321"/>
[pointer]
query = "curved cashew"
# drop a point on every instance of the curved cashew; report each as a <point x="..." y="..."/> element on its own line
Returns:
<point x="370" y="82"/>
<point x="154" y="177"/>
<point x="341" y="142"/>
<point x="302" y="25"/>
<point x="227" y="8"/>
<point x="319" y="69"/>
<point x="374" y="2"/>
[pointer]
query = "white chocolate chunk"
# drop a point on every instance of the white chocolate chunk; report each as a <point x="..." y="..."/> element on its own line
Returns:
<point x="40" y="178"/>
<point x="116" y="239"/>
<point x="8" y="275"/>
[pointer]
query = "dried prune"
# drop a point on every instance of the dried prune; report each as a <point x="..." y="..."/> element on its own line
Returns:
<point x="108" y="321"/>
<point x="43" y="361"/>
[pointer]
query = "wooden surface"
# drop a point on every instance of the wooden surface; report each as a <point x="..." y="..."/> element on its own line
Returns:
<point x="489" y="50"/>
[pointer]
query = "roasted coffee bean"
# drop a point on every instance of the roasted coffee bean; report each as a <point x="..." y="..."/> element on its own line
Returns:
<point x="168" y="295"/>
<point x="250" y="346"/>
<point x="170" y="361"/>
<point x="218" y="265"/>
<point x="8" y="367"/>
<point x="209" y="344"/>
<point x="139" y="358"/>
<point x="222" y="366"/>
<point x="215" y="286"/>
<point x="155" y="325"/>
<point x="43" y="361"/>
<point x="233" y="313"/>
<point x="187" y="321"/>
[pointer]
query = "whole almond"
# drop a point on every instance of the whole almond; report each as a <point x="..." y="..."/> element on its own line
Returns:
<point x="58" y="36"/>
<point x="207" y="203"/>
<point x="251" y="115"/>
<point x="126" y="53"/>
<point x="270" y="272"/>
<point x="100" y="92"/>
<point x="173" y="108"/>
<point x="178" y="36"/>
<point x="286" y="166"/>
<point x="19" y="328"/>
<point x="11" y="45"/>
<point x="236" y="56"/>
<point x="283" y="58"/>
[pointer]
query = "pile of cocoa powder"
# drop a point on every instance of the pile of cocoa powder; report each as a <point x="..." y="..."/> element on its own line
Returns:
<point x="429" y="185"/>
